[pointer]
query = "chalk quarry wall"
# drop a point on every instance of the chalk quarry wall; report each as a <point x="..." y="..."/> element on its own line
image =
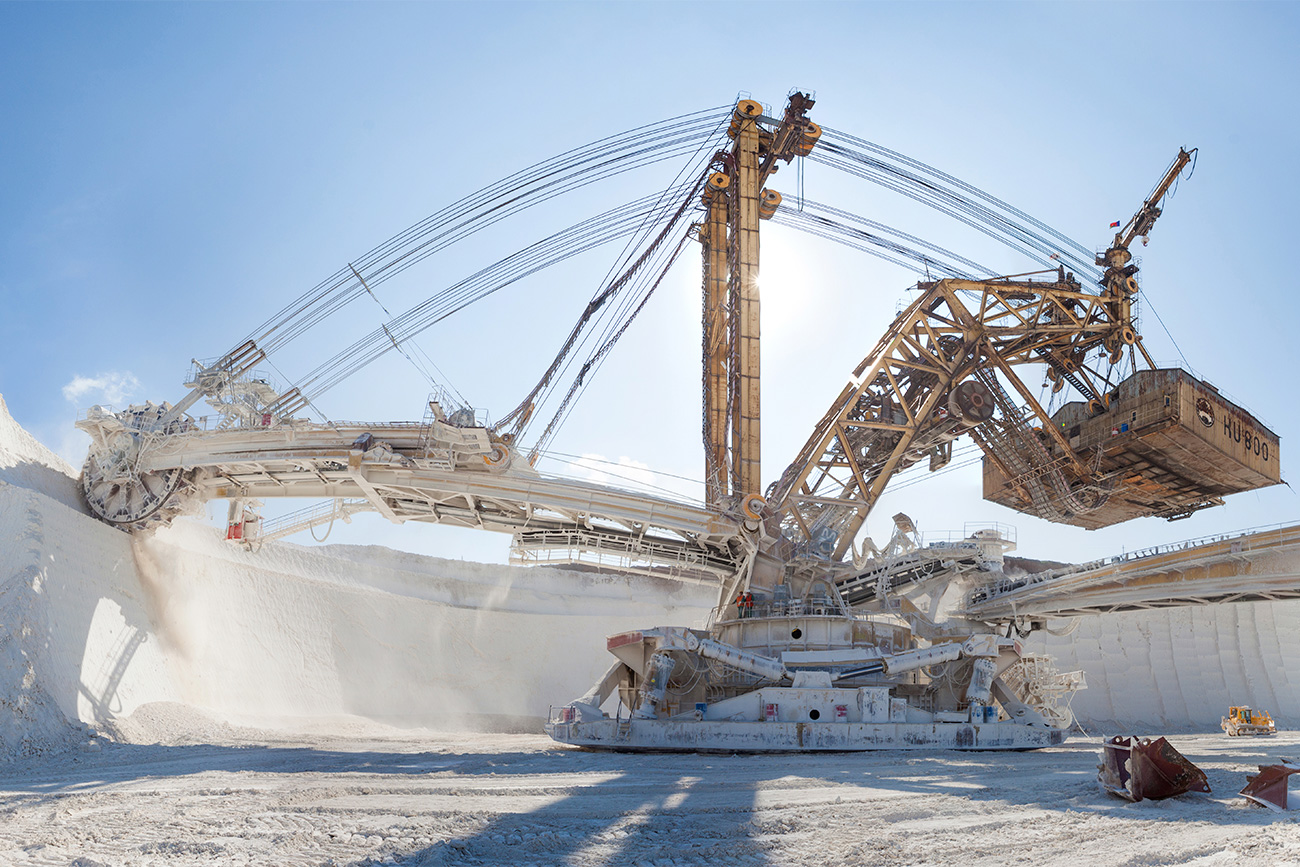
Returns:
<point x="95" y="625"/>
<point x="1180" y="668"/>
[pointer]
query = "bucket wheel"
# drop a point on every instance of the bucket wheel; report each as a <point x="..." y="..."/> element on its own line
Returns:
<point x="121" y="496"/>
<point x="117" y="491"/>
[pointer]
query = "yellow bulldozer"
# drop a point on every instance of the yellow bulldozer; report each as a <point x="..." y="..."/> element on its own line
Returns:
<point x="1244" y="721"/>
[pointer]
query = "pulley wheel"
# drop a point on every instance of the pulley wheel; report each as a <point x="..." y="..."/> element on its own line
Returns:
<point x="498" y="459"/>
<point x="972" y="402"/>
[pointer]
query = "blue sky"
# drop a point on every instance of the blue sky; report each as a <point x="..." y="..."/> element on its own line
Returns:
<point x="171" y="174"/>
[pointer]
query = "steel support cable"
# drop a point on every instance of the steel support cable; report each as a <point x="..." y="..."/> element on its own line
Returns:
<point x="526" y="410"/>
<point x="615" y="223"/>
<point x="546" y="385"/>
<point x="571" y="183"/>
<point x="590" y="172"/>
<point x="349" y="286"/>
<point x="925" y="193"/>
<point x="633" y="482"/>
<point x="628" y="223"/>
<point x="596" y="359"/>
<point x="961" y="185"/>
<point x="915" y="262"/>
<point x="602" y="162"/>
<point x="625" y="218"/>
<point x="963" y="210"/>
<point x="653" y="216"/>
<point x="623" y="310"/>
<point x="1017" y="237"/>
<point x="519" y="415"/>
<point x="520" y="180"/>
<point x="441" y="378"/>
<point x="624" y="146"/>
<point x="563" y="245"/>
<point x="1177" y="348"/>
<point x="875" y="245"/>
<point x="820" y="209"/>
<point x="576" y="240"/>
<point x="705" y="156"/>
<point x="619" y="320"/>
<point x="614" y="315"/>
<point x="688" y="126"/>
<point x="1014" y="229"/>
<point x="325" y="310"/>
<point x="483" y="283"/>
<point x="630" y="299"/>
<point x="568" y="458"/>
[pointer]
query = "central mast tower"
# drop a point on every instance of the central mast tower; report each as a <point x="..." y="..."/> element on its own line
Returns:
<point x="735" y="202"/>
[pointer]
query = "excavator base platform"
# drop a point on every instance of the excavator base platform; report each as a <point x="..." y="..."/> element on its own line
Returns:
<point x="639" y="735"/>
<point x="800" y="719"/>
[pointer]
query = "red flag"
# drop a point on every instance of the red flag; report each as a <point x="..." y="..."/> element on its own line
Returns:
<point x="1115" y="225"/>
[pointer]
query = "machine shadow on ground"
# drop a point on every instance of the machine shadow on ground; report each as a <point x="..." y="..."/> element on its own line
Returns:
<point x="632" y="808"/>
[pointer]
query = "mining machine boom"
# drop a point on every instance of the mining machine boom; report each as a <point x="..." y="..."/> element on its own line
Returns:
<point x="151" y="464"/>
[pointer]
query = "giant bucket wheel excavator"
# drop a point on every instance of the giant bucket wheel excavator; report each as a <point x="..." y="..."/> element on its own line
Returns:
<point x="821" y="640"/>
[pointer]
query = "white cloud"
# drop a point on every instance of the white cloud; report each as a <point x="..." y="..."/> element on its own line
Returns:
<point x="113" y="387"/>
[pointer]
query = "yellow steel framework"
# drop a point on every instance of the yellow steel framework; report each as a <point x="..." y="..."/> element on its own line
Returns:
<point x="713" y="239"/>
<point x="734" y="203"/>
<point x="907" y="401"/>
<point x="943" y="369"/>
<point x="1119" y="276"/>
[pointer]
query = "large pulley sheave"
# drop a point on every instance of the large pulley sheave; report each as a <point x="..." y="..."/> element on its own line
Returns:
<point x="972" y="402"/>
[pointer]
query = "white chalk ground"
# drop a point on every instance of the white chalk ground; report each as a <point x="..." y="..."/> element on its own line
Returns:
<point x="176" y="700"/>
<point x="216" y="795"/>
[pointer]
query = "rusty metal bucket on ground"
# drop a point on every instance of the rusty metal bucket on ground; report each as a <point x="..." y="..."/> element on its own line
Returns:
<point x="1141" y="768"/>
<point x="1272" y="787"/>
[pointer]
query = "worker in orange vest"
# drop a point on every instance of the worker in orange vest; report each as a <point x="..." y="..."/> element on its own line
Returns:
<point x="740" y="604"/>
<point x="749" y="604"/>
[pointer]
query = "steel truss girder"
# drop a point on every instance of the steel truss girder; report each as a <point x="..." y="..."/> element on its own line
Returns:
<point x="325" y="461"/>
<point x="1256" y="567"/>
<point x="890" y="413"/>
<point x="634" y="552"/>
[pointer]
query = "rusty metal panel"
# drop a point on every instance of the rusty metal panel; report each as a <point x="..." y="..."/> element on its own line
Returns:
<point x="1169" y="445"/>
<point x="1230" y="429"/>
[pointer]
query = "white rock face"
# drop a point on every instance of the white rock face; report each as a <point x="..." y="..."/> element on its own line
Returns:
<point x="1180" y="668"/>
<point x="32" y="720"/>
<point x="26" y="463"/>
